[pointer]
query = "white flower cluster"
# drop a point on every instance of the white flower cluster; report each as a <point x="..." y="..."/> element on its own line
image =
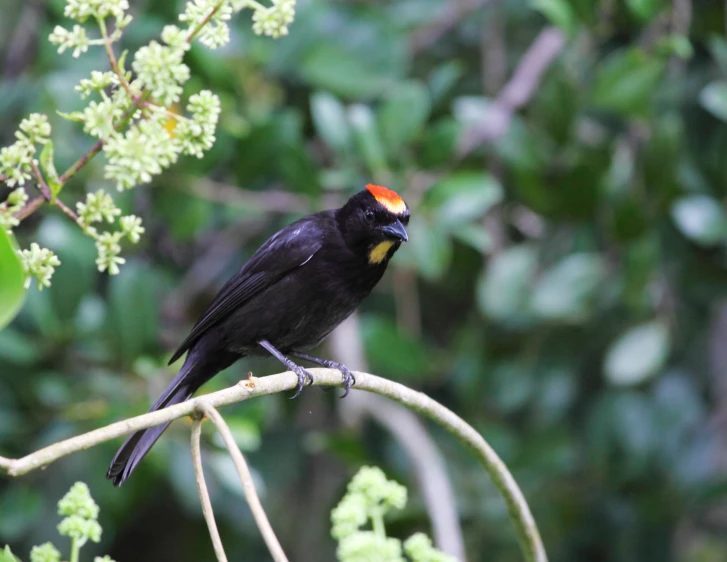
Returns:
<point x="195" y="135"/>
<point x="144" y="150"/>
<point x="160" y="70"/>
<point x="97" y="82"/>
<point x="147" y="145"/>
<point x="75" y="39"/>
<point x="40" y="263"/>
<point x="16" y="160"/>
<point x="15" y="201"/>
<point x="274" y="21"/>
<point x="100" y="207"/>
<point x="81" y="10"/>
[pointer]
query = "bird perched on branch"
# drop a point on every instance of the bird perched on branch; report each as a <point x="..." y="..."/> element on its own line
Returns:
<point x="298" y="286"/>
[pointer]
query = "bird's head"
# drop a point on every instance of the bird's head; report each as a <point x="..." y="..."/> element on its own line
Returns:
<point x="374" y="222"/>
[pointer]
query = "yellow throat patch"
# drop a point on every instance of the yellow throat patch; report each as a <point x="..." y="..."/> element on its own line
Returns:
<point x="378" y="252"/>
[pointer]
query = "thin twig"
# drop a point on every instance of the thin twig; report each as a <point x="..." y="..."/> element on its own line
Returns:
<point x="520" y="88"/>
<point x="426" y="460"/>
<point x="204" y="22"/>
<point x="520" y="515"/>
<point x="98" y="145"/>
<point x="268" y="201"/>
<point x="31" y="207"/>
<point x="46" y="191"/>
<point x="204" y="496"/>
<point x="114" y="62"/>
<point x="248" y="486"/>
<point x="452" y="13"/>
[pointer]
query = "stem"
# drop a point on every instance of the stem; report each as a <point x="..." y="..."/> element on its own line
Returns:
<point x="247" y="484"/>
<point x="377" y="524"/>
<point x="204" y="22"/>
<point x="520" y="515"/>
<point x="75" y="550"/>
<point x="204" y="495"/>
<point x="45" y="190"/>
<point x="98" y="145"/>
<point x="31" y="207"/>
<point x="138" y="100"/>
<point x="112" y="59"/>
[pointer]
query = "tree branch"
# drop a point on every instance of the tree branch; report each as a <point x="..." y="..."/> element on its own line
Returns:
<point x="453" y="12"/>
<point x="248" y="486"/>
<point x="518" y="509"/>
<point x="204" y="495"/>
<point x="516" y="92"/>
<point x="427" y="463"/>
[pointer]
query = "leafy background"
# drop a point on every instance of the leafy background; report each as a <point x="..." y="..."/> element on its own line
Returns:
<point x="564" y="289"/>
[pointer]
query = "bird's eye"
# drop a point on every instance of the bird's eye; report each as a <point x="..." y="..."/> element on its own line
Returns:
<point x="404" y="220"/>
<point x="370" y="215"/>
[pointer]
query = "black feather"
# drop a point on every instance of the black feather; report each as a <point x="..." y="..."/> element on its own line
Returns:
<point x="301" y="284"/>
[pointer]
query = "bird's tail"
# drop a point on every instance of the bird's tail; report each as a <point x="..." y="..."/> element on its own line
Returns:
<point x="193" y="374"/>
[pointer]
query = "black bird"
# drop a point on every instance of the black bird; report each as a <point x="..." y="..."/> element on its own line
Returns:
<point x="298" y="286"/>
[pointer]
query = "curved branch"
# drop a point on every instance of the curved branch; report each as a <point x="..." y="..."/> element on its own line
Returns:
<point x="425" y="458"/>
<point x="248" y="486"/>
<point x="204" y="495"/>
<point x="518" y="509"/>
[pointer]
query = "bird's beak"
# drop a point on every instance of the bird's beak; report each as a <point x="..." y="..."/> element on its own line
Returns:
<point x="396" y="231"/>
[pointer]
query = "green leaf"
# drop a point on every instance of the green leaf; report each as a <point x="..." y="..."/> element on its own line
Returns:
<point x="76" y="116"/>
<point x="627" y="81"/>
<point x="718" y="48"/>
<point x="701" y="219"/>
<point x="568" y="289"/>
<point x="7" y="556"/>
<point x="353" y="71"/>
<point x="329" y="118"/>
<point x="504" y="289"/>
<point x="122" y="60"/>
<point x="12" y="279"/>
<point x="474" y="235"/>
<point x="133" y="308"/>
<point x="645" y="9"/>
<point x="558" y="12"/>
<point x="17" y="348"/>
<point x="637" y="354"/>
<point x="21" y="506"/>
<point x="403" y="356"/>
<point x="368" y="140"/>
<point x="245" y="431"/>
<point x="713" y="98"/>
<point x="49" y="169"/>
<point x="429" y="249"/>
<point x="73" y="281"/>
<point x="463" y="197"/>
<point x="403" y="114"/>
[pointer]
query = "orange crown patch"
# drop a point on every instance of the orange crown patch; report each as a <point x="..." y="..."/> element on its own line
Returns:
<point x="390" y="200"/>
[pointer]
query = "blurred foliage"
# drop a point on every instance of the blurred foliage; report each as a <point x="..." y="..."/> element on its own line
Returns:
<point x="568" y="280"/>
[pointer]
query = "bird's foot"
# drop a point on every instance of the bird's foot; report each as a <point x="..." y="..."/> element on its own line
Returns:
<point x="348" y="377"/>
<point x="303" y="374"/>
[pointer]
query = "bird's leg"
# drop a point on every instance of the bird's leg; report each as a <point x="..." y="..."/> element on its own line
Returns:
<point x="297" y="369"/>
<point x="348" y="378"/>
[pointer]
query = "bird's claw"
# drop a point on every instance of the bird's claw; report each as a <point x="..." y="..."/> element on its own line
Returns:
<point x="303" y="374"/>
<point x="348" y="377"/>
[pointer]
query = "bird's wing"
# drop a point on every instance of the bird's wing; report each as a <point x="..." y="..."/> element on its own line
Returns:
<point x="288" y="249"/>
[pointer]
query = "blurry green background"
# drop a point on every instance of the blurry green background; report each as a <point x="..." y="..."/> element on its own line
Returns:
<point x="564" y="289"/>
